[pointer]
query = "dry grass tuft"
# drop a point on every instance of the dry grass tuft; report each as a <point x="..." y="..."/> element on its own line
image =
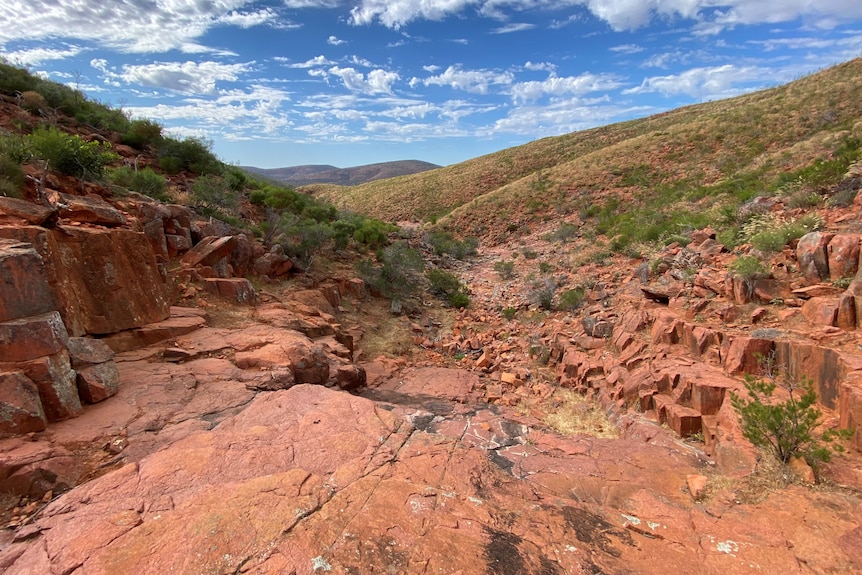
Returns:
<point x="570" y="413"/>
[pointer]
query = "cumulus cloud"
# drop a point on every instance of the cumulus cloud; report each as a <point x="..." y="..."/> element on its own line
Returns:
<point x="375" y="82"/>
<point x="570" y="85"/>
<point x="35" y="56"/>
<point x="475" y="81"/>
<point x="706" y="83"/>
<point x="335" y="41"/>
<point x="311" y="63"/>
<point x="185" y="77"/>
<point x="620" y="15"/>
<point x="140" y="26"/>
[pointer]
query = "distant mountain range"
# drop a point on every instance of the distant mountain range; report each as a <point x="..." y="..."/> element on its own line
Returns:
<point x="324" y="174"/>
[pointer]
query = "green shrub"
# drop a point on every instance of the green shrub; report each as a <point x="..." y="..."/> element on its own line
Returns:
<point x="213" y="197"/>
<point x="373" y="233"/>
<point x="529" y="254"/>
<point x="571" y="300"/>
<point x="396" y="273"/>
<point x="142" y="133"/>
<point x="785" y="428"/>
<point x="257" y="197"/>
<point x="506" y="270"/>
<point x="563" y="233"/>
<point x="543" y="293"/>
<point x="192" y="154"/>
<point x="235" y="178"/>
<point x="448" y="287"/>
<point x="95" y="114"/>
<point x="444" y="243"/>
<point x="144" y="181"/>
<point x="545" y="267"/>
<point x="748" y="268"/>
<point x="509" y="312"/>
<point x="71" y="154"/>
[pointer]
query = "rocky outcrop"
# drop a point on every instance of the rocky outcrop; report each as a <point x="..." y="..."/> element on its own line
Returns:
<point x="310" y="480"/>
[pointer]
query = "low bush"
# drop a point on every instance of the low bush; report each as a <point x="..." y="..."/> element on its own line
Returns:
<point x="785" y="428"/>
<point x="571" y="300"/>
<point x="748" y="268"/>
<point x="191" y="154"/>
<point x="445" y="243"/>
<point x="71" y="154"/>
<point x="144" y="181"/>
<point x="142" y="134"/>
<point x="213" y="197"/>
<point x="543" y="292"/>
<point x="396" y="274"/>
<point x="505" y="269"/>
<point x="448" y="287"/>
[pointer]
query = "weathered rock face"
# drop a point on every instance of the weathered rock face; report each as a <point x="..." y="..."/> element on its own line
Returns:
<point x="24" y="289"/>
<point x="312" y="480"/>
<point x="103" y="281"/>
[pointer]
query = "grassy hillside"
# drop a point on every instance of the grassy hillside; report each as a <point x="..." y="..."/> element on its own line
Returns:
<point x="641" y="179"/>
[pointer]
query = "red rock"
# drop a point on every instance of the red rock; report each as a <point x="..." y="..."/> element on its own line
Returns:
<point x="14" y="211"/>
<point x="708" y="392"/>
<point x="24" y="289"/>
<point x="843" y="256"/>
<point x="177" y="245"/>
<point x="821" y="310"/>
<point x="273" y="263"/>
<point x="696" y="485"/>
<point x="850" y="407"/>
<point x="812" y="257"/>
<point x="800" y="468"/>
<point x="666" y="328"/>
<point x="209" y="251"/>
<point x="683" y="420"/>
<point x="90" y="209"/>
<point x="239" y="290"/>
<point x="103" y="281"/>
<point x="313" y="298"/>
<point x="20" y="407"/>
<point x="177" y="325"/>
<point x="32" y="337"/>
<point x="98" y="382"/>
<point x="743" y="354"/>
<point x="769" y="290"/>
<point x="817" y="290"/>
<point x="55" y="380"/>
<point x="846" y="318"/>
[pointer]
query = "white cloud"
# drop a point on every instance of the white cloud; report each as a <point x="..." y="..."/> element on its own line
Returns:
<point x="563" y="117"/>
<point x="248" y="19"/>
<point x="540" y="67"/>
<point x="335" y="41"/>
<point x="132" y="26"/>
<point x="312" y="63"/>
<point x="514" y="27"/>
<point x="570" y="85"/>
<point x="474" y="81"/>
<point x="627" y="49"/>
<point x="186" y="77"/>
<point x="36" y="56"/>
<point x="707" y="83"/>
<point x="375" y="82"/>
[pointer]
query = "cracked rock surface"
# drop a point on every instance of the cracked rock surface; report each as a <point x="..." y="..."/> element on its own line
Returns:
<point x="419" y="476"/>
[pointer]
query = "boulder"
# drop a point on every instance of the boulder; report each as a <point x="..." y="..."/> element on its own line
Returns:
<point x="55" y="380"/>
<point x="744" y="354"/>
<point x="273" y="263"/>
<point x="843" y="256"/>
<point x="24" y="289"/>
<point x="821" y="311"/>
<point x="32" y="337"/>
<point x="20" y="407"/>
<point x="98" y="376"/>
<point x="238" y="290"/>
<point x="16" y="211"/>
<point x="90" y="209"/>
<point x="812" y="256"/>
<point x="209" y="251"/>
<point x="103" y="281"/>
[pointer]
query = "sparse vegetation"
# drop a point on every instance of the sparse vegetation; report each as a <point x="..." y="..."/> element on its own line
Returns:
<point x="71" y="154"/>
<point x="445" y="243"/>
<point x="144" y="181"/>
<point x="505" y="269"/>
<point x="448" y="287"/>
<point x="572" y="299"/>
<point x="787" y="426"/>
<point x="570" y="413"/>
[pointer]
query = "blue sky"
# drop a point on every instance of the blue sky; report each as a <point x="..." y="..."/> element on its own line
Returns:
<point x="291" y="82"/>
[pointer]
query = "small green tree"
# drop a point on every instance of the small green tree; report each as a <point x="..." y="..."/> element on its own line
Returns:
<point x="785" y="428"/>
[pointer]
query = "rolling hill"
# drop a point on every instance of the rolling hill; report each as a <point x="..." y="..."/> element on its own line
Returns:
<point x="326" y="174"/>
<point x="684" y="165"/>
